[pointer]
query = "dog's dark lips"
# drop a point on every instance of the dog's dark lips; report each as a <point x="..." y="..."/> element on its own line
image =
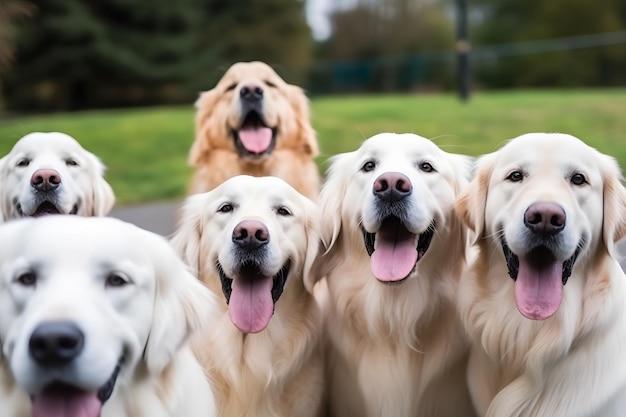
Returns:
<point x="253" y="119"/>
<point x="423" y="241"/>
<point x="538" y="255"/>
<point x="103" y="394"/>
<point x="278" y="285"/>
<point x="45" y="208"/>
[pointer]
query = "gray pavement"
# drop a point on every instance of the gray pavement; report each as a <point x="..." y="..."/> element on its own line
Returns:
<point x="161" y="218"/>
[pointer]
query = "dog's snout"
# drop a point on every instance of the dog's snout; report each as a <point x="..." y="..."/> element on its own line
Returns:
<point x="56" y="343"/>
<point x="251" y="234"/>
<point x="45" y="179"/>
<point x="545" y="218"/>
<point x="251" y="92"/>
<point x="392" y="186"/>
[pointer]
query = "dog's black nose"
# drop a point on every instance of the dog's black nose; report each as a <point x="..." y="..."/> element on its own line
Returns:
<point x="251" y="234"/>
<point x="392" y="186"/>
<point x="56" y="343"/>
<point x="45" y="179"/>
<point x="251" y="92"/>
<point x="545" y="218"/>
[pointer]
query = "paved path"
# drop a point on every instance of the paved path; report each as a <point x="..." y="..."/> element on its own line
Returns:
<point x="161" y="218"/>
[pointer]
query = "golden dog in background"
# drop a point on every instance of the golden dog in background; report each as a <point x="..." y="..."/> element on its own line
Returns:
<point x="395" y="251"/>
<point x="545" y="302"/>
<point x="254" y="123"/>
<point x="250" y="240"/>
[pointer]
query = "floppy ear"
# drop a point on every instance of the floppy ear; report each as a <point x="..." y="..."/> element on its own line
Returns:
<point x="614" y="195"/>
<point x="201" y="146"/>
<point x="186" y="238"/>
<point x="182" y="306"/>
<point x="102" y="197"/>
<point x="300" y="105"/>
<point x="5" y="203"/>
<point x="330" y="205"/>
<point x="463" y="166"/>
<point x="313" y="246"/>
<point x="470" y="205"/>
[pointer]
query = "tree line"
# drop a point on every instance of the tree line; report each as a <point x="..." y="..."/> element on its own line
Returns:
<point x="73" y="54"/>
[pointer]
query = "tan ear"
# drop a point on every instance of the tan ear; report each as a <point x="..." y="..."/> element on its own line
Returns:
<point x="313" y="247"/>
<point x="186" y="238"/>
<point x="614" y="195"/>
<point x="300" y="104"/>
<point x="201" y="146"/>
<point x="470" y="205"/>
<point x="102" y="198"/>
<point x="182" y="306"/>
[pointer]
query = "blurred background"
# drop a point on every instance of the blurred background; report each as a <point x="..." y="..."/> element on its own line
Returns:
<point x="367" y="65"/>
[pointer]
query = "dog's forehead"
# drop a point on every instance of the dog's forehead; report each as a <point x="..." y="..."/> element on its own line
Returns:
<point x="40" y="144"/>
<point x="397" y="147"/>
<point x="550" y="150"/>
<point x="257" y="191"/>
<point x="242" y="71"/>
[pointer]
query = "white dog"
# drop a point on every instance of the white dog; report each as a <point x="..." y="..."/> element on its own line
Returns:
<point x="94" y="314"/>
<point x="545" y="303"/>
<point x="394" y="253"/>
<point x="251" y="239"/>
<point x="48" y="173"/>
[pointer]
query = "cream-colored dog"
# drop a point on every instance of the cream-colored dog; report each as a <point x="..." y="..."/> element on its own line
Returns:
<point x="250" y="240"/>
<point x="49" y="173"/>
<point x="94" y="314"/>
<point x="394" y="253"/>
<point x="545" y="302"/>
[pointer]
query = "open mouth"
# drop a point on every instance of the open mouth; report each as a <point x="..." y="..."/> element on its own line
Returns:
<point x="539" y="279"/>
<point x="46" y="208"/>
<point x="251" y="296"/>
<point x="394" y="251"/>
<point x="254" y="138"/>
<point x="62" y="399"/>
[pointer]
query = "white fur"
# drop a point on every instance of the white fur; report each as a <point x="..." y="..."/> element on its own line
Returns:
<point x="394" y="350"/>
<point x="145" y="321"/>
<point x="572" y="364"/>
<point x="82" y="187"/>
<point x="279" y="371"/>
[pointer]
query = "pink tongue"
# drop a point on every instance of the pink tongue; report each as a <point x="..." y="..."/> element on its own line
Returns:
<point x="395" y="256"/>
<point x="538" y="290"/>
<point x="256" y="139"/>
<point x="251" y="306"/>
<point x="56" y="402"/>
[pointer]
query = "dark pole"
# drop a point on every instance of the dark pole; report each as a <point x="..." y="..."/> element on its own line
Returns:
<point x="463" y="50"/>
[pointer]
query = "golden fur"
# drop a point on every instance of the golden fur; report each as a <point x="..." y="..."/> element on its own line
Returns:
<point x="395" y="349"/>
<point x="132" y="298"/>
<point x="572" y="363"/>
<point x="279" y="370"/>
<point x="82" y="189"/>
<point x="221" y="112"/>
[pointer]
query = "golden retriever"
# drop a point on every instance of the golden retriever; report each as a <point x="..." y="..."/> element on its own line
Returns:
<point x="250" y="240"/>
<point x="395" y="250"/>
<point x="49" y="173"/>
<point x="94" y="314"/>
<point x="254" y="123"/>
<point x="545" y="303"/>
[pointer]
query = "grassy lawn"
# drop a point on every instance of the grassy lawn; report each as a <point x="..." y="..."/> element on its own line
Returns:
<point x="146" y="149"/>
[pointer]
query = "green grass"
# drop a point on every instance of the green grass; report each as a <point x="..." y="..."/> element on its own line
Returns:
<point x="146" y="149"/>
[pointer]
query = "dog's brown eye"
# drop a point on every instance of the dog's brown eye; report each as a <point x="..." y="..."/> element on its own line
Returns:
<point x="225" y="208"/>
<point x="231" y="87"/>
<point x="426" y="167"/>
<point x="515" y="176"/>
<point x="283" y="211"/>
<point x="270" y="84"/>
<point x="23" y="162"/>
<point x="578" y="179"/>
<point x="71" y="162"/>
<point x="116" y="279"/>
<point x="368" y="166"/>
<point x="26" y="279"/>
